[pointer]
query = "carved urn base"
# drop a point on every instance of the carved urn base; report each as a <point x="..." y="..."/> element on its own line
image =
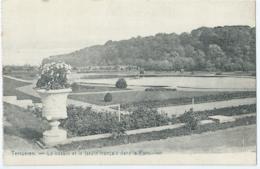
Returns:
<point x="55" y="135"/>
<point x="54" y="103"/>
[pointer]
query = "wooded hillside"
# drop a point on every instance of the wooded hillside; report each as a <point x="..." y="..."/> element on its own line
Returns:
<point x="227" y="48"/>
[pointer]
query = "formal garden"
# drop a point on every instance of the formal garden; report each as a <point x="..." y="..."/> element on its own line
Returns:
<point x="136" y="119"/>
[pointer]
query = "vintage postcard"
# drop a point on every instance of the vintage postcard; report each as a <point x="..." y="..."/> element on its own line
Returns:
<point x="129" y="82"/>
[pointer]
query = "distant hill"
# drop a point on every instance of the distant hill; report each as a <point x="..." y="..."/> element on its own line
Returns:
<point x="227" y="48"/>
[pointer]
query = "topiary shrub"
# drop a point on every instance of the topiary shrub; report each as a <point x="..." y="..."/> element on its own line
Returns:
<point x="108" y="97"/>
<point x="121" y="83"/>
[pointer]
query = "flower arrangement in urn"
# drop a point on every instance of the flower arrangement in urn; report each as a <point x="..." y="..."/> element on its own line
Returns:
<point x="54" y="76"/>
<point x="53" y="88"/>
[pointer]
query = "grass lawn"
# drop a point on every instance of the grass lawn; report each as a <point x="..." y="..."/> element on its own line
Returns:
<point x="136" y="96"/>
<point x="26" y="75"/>
<point x="90" y="88"/>
<point x="236" y="139"/>
<point x="25" y="127"/>
<point x="9" y="89"/>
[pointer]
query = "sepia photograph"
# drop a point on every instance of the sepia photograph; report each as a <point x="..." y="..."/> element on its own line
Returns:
<point x="155" y="82"/>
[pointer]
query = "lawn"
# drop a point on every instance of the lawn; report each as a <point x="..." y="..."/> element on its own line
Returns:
<point x="25" y="127"/>
<point x="91" y="88"/>
<point x="229" y="140"/>
<point x="26" y="75"/>
<point x="139" y="96"/>
<point x="9" y="89"/>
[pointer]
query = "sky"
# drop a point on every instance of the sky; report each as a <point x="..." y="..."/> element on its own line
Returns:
<point x="35" y="29"/>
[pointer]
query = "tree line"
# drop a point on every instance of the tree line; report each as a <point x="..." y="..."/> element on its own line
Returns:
<point x="227" y="48"/>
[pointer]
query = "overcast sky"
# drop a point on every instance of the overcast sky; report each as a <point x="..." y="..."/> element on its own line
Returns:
<point x="34" y="29"/>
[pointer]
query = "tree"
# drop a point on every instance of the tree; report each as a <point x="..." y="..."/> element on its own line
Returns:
<point x="199" y="58"/>
<point x="206" y="48"/>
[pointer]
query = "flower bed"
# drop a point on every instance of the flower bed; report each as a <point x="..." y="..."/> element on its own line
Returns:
<point x="187" y="100"/>
<point x="84" y="121"/>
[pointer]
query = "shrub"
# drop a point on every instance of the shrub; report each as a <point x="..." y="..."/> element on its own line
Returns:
<point x="144" y="117"/>
<point x="191" y="119"/>
<point x="121" y="83"/>
<point x="84" y="121"/>
<point x="108" y="97"/>
<point x="118" y="130"/>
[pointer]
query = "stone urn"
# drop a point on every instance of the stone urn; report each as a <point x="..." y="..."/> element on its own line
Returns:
<point x="54" y="108"/>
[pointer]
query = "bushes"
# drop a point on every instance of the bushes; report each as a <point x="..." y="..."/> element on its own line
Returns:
<point x="144" y="117"/>
<point x="121" y="83"/>
<point x="230" y="111"/>
<point x="108" y="97"/>
<point x="191" y="119"/>
<point x="84" y="121"/>
<point x="227" y="111"/>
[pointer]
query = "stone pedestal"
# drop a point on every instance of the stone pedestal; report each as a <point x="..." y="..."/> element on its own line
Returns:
<point x="55" y="135"/>
<point x="54" y="108"/>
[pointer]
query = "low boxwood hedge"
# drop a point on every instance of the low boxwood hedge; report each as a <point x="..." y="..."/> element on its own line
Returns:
<point x="187" y="100"/>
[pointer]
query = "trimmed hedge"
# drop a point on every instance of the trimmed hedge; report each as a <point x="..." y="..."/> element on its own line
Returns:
<point x="187" y="100"/>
